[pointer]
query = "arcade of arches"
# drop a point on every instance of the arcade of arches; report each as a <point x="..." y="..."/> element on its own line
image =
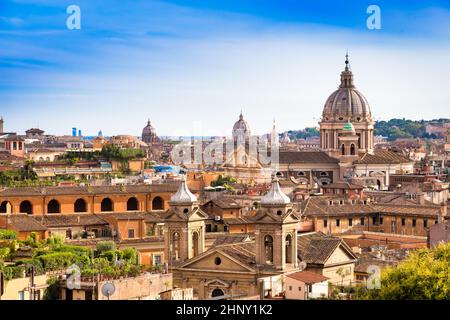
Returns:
<point x="38" y="205"/>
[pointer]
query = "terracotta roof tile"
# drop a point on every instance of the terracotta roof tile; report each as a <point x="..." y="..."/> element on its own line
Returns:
<point x="307" y="277"/>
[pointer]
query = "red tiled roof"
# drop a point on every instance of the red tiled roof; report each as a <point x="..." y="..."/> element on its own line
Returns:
<point x="307" y="277"/>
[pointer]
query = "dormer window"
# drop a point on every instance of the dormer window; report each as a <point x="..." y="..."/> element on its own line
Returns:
<point x="341" y="202"/>
<point x="279" y="212"/>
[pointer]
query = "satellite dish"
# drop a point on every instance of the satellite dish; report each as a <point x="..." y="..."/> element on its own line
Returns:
<point x="108" y="289"/>
<point x="302" y="265"/>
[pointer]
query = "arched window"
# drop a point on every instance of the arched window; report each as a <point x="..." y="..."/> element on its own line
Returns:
<point x="175" y="246"/>
<point x="268" y="248"/>
<point x="26" y="207"/>
<point x="288" y="249"/>
<point x="5" y="207"/>
<point x="132" y="204"/>
<point x="343" y="150"/>
<point x="217" y="293"/>
<point x="53" y="206"/>
<point x="158" y="203"/>
<point x="352" y="149"/>
<point x="79" y="205"/>
<point x="195" y="244"/>
<point x="107" y="205"/>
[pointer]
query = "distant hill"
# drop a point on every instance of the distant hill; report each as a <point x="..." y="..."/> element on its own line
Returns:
<point x="402" y="128"/>
<point x="392" y="129"/>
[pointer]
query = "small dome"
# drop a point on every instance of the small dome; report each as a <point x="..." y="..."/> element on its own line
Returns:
<point x="241" y="129"/>
<point x="183" y="195"/>
<point x="275" y="195"/>
<point x="348" y="127"/>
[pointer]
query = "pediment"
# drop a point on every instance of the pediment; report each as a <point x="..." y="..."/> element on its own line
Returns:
<point x="217" y="283"/>
<point x="198" y="215"/>
<point x="207" y="262"/>
<point x="291" y="217"/>
<point x="174" y="216"/>
<point x="266" y="217"/>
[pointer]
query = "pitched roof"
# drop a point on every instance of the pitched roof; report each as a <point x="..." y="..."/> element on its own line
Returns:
<point x="307" y="277"/>
<point x="409" y="209"/>
<point x="231" y="239"/>
<point x="244" y="253"/>
<point x="68" y="220"/>
<point x="316" y="248"/>
<point x="80" y="190"/>
<point x="25" y="223"/>
<point x="382" y="157"/>
<point x="320" y="206"/>
<point x="305" y="157"/>
<point x="343" y="185"/>
<point x="225" y="203"/>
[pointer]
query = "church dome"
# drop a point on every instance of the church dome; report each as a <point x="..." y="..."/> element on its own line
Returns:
<point x="148" y="133"/>
<point x="275" y="196"/>
<point x="241" y="129"/>
<point x="346" y="102"/>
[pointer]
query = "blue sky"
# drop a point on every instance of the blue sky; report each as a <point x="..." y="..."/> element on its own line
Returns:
<point x="191" y="66"/>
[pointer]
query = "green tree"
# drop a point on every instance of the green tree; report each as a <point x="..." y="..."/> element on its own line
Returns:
<point x="424" y="275"/>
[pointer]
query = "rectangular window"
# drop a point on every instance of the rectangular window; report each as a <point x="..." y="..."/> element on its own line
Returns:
<point x="157" y="260"/>
<point x="130" y="233"/>
<point x="403" y="222"/>
<point x="310" y="288"/>
<point x="290" y="288"/>
<point x="338" y="222"/>
<point x="21" y="295"/>
<point x="381" y="220"/>
<point x="299" y="288"/>
<point x="325" y="223"/>
<point x="350" y="222"/>
<point x="374" y="221"/>
<point x="414" y="223"/>
<point x="425" y="223"/>
<point x="362" y="221"/>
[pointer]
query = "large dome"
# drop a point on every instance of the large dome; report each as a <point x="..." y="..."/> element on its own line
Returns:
<point x="149" y="133"/>
<point x="346" y="103"/>
<point x="241" y="129"/>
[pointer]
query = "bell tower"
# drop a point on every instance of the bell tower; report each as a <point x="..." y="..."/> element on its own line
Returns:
<point x="184" y="227"/>
<point x="1" y="124"/>
<point x="276" y="227"/>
